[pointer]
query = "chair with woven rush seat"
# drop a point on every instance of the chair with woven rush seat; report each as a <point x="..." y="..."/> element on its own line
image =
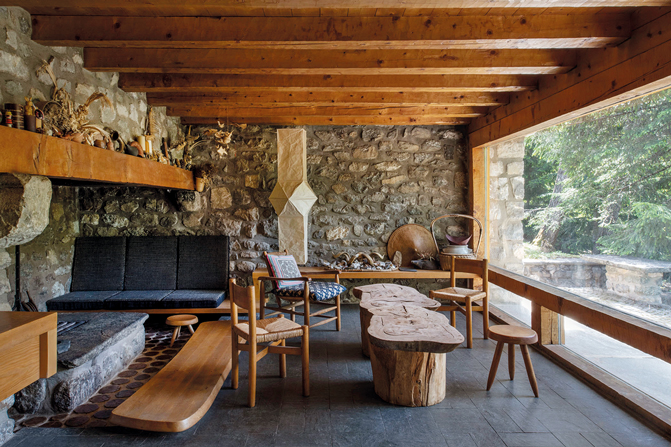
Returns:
<point x="466" y="301"/>
<point x="270" y="334"/>
<point x="298" y="291"/>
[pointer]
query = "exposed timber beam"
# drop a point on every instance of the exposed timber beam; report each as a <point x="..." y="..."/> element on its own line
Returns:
<point x="319" y="98"/>
<point x="462" y="32"/>
<point x="639" y="66"/>
<point x="329" y="62"/>
<point x="291" y="110"/>
<point x="158" y="83"/>
<point x="329" y="120"/>
<point x="252" y="7"/>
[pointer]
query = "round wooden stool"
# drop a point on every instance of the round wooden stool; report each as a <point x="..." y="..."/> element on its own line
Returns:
<point x="513" y="335"/>
<point x="178" y="321"/>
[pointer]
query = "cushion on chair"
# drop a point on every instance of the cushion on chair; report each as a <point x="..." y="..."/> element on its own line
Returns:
<point x="458" y="294"/>
<point x="272" y="329"/>
<point x="137" y="299"/>
<point x="284" y="266"/>
<point x="151" y="263"/>
<point x="91" y="300"/>
<point x="194" y="299"/>
<point x="319" y="291"/>
<point x="99" y="264"/>
<point x="203" y="263"/>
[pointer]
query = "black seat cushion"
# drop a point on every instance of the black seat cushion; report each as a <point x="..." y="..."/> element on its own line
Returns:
<point x="194" y="299"/>
<point x="137" y="299"/>
<point x="203" y="263"/>
<point x="151" y="263"/>
<point x="99" y="263"/>
<point x="91" y="300"/>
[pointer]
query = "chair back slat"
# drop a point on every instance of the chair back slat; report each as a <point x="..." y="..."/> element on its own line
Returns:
<point x="475" y="266"/>
<point x="241" y="296"/>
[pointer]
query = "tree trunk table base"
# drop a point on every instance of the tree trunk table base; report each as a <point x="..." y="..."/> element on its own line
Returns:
<point x="411" y="379"/>
<point x="375" y="297"/>
<point x="408" y="346"/>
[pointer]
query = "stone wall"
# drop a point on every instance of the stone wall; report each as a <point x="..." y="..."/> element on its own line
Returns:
<point x="506" y="210"/>
<point x="568" y="272"/>
<point x="369" y="181"/>
<point x="20" y="58"/>
<point x="46" y="261"/>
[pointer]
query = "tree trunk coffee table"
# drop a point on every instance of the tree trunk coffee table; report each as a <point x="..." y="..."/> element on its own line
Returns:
<point x="408" y="346"/>
<point x="377" y="296"/>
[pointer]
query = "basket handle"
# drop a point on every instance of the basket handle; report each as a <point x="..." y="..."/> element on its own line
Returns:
<point x="433" y="222"/>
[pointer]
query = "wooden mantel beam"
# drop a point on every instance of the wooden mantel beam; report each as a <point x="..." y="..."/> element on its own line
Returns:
<point x="353" y="97"/>
<point x="639" y="66"/>
<point x="329" y="62"/>
<point x="202" y="83"/>
<point x="463" y="32"/>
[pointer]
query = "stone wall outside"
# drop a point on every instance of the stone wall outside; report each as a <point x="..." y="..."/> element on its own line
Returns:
<point x="46" y="261"/>
<point x="566" y="272"/>
<point x="369" y="181"/>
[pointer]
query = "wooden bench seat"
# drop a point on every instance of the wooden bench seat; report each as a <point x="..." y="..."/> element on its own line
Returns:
<point x="179" y="395"/>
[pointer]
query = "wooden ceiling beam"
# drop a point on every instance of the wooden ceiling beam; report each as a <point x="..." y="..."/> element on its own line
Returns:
<point x="291" y="110"/>
<point x="462" y="32"/>
<point x="639" y="66"/>
<point x="329" y="62"/>
<point x="221" y="7"/>
<point x="354" y="97"/>
<point x="209" y="83"/>
<point x="330" y="120"/>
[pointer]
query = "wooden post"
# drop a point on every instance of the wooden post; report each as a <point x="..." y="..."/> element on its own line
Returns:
<point x="546" y="323"/>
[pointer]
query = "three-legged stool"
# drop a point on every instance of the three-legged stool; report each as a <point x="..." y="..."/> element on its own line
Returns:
<point x="178" y="321"/>
<point x="513" y="335"/>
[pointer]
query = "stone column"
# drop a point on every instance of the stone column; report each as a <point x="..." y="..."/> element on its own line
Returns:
<point x="506" y="209"/>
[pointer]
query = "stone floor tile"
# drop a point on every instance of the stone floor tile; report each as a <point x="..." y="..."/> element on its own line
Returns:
<point x="531" y="440"/>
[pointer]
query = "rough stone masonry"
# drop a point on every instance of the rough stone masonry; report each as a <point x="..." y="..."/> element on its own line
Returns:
<point x="369" y="181"/>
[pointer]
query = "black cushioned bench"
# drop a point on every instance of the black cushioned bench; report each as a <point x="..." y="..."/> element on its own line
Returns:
<point x="147" y="273"/>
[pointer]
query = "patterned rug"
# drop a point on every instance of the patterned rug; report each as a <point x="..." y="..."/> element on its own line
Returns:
<point x="97" y="410"/>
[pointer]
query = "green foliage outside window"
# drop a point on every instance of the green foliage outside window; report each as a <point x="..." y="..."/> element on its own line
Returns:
<point x="614" y="193"/>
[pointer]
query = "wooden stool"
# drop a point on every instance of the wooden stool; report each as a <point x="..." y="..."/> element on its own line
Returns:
<point x="178" y="321"/>
<point x="513" y="335"/>
<point x="377" y="296"/>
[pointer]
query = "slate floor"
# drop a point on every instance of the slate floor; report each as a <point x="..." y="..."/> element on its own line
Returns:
<point x="343" y="409"/>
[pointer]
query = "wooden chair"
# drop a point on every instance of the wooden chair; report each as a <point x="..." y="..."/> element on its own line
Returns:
<point x="513" y="335"/>
<point x="261" y="337"/>
<point x="466" y="301"/>
<point x="306" y="294"/>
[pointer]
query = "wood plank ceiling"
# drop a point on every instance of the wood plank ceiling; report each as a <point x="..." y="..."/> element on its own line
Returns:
<point x="333" y="62"/>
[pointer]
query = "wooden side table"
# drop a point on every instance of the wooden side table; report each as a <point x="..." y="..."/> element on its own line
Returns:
<point x="375" y="297"/>
<point x="177" y="321"/>
<point x="408" y="346"/>
<point x="513" y="335"/>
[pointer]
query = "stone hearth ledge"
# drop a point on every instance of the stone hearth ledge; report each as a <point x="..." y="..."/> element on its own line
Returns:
<point x="105" y="345"/>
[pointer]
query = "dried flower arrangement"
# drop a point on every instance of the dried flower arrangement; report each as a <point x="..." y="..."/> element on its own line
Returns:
<point x="203" y="175"/>
<point x="63" y="120"/>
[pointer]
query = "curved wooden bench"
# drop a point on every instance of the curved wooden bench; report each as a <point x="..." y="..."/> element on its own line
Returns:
<point x="179" y="395"/>
<point x="377" y="296"/>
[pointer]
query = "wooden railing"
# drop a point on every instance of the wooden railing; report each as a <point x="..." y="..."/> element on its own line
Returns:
<point x="647" y="337"/>
<point x="548" y="302"/>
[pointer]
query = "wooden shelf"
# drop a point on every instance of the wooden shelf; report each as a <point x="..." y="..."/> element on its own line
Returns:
<point x="23" y="152"/>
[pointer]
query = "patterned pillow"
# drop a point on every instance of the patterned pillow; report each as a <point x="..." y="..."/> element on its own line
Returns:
<point x="283" y="266"/>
